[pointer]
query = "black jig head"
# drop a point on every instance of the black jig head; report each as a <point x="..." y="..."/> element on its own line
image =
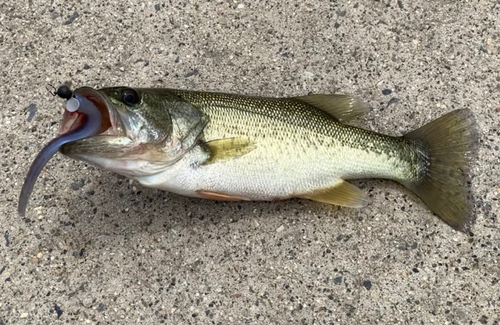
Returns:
<point x="63" y="91"/>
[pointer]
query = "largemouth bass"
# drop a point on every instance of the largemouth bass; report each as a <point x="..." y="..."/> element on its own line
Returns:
<point x="232" y="147"/>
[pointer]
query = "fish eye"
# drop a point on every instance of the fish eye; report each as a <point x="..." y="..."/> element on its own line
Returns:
<point x="130" y="97"/>
<point x="64" y="92"/>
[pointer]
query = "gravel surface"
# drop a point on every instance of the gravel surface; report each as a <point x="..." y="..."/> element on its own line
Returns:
<point x="96" y="248"/>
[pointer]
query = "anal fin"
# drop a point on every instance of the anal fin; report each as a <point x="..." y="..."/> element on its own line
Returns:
<point x="343" y="194"/>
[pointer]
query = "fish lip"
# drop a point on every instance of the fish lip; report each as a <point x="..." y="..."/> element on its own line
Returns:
<point x="117" y="126"/>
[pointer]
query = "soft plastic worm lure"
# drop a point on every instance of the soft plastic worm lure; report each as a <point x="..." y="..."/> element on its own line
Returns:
<point x="75" y="103"/>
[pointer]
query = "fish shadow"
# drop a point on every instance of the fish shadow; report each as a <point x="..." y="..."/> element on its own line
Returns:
<point x="122" y="210"/>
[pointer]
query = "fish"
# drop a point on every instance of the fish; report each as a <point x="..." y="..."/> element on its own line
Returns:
<point x="233" y="147"/>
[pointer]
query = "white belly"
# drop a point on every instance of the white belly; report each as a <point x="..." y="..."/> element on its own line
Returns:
<point x="255" y="176"/>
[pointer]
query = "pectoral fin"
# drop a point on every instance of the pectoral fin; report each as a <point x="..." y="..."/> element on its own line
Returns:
<point x="342" y="107"/>
<point x="343" y="194"/>
<point x="226" y="149"/>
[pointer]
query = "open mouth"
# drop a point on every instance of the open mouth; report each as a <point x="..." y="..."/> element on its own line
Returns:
<point x="110" y="124"/>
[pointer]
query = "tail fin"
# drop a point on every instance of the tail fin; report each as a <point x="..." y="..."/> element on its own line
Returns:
<point x="444" y="185"/>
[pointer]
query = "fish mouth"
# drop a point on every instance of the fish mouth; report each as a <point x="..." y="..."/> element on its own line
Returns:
<point x="112" y="143"/>
<point x="110" y="122"/>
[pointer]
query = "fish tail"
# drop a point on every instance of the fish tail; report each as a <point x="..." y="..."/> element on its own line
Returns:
<point x="447" y="147"/>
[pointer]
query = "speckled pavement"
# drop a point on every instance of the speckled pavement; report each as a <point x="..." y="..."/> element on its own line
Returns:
<point x="96" y="248"/>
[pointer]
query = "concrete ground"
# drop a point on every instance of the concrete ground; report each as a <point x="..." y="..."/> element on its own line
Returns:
<point x="96" y="248"/>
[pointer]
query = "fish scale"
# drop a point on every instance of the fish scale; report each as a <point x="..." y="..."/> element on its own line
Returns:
<point x="256" y="117"/>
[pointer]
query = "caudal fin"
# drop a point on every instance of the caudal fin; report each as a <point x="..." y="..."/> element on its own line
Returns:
<point x="448" y="146"/>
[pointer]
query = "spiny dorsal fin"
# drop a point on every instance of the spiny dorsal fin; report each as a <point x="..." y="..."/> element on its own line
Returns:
<point x="229" y="148"/>
<point x="343" y="194"/>
<point x="342" y="107"/>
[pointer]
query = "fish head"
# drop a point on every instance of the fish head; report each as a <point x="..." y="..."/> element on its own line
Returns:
<point x="143" y="131"/>
<point x="144" y="117"/>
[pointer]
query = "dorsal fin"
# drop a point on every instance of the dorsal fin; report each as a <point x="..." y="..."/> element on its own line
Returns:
<point x="342" y="107"/>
